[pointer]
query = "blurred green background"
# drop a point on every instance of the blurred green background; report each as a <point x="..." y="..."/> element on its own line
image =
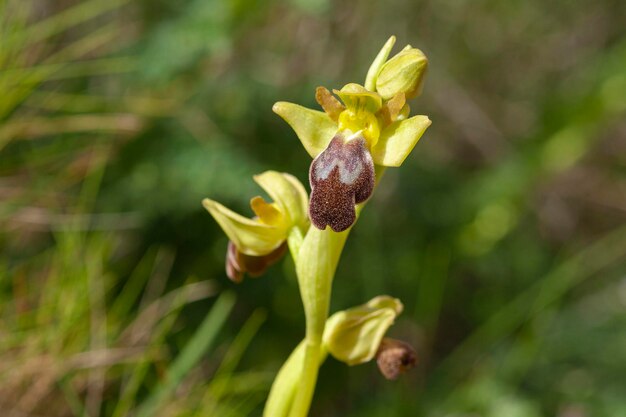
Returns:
<point x="504" y="233"/>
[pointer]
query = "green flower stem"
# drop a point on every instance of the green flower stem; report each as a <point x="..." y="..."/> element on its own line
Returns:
<point x="315" y="267"/>
<point x="294" y="241"/>
<point x="316" y="262"/>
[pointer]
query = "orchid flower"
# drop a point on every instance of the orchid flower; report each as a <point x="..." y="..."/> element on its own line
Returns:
<point x="365" y="129"/>
<point x="257" y="243"/>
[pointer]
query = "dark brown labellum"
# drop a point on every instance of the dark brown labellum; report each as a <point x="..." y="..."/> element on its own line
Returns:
<point x="238" y="264"/>
<point x="395" y="357"/>
<point x="340" y="177"/>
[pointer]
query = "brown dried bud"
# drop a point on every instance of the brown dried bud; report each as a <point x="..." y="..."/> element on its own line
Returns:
<point x="238" y="264"/>
<point x="340" y="177"/>
<point x="395" y="357"/>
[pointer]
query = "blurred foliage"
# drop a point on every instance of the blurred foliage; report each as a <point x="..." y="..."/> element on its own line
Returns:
<point x="504" y="233"/>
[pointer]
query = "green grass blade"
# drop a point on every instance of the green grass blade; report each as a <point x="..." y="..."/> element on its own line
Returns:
<point x="606" y="251"/>
<point x="197" y="347"/>
<point x="131" y="291"/>
<point x="64" y="20"/>
<point x="222" y="381"/>
<point x="173" y="305"/>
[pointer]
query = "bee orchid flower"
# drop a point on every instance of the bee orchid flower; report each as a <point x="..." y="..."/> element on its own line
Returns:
<point x="257" y="243"/>
<point x="366" y="128"/>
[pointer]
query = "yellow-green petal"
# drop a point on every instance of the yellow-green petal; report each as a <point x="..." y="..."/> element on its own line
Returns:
<point x="250" y="236"/>
<point x="354" y="335"/>
<point x="289" y="194"/>
<point x="314" y="128"/>
<point x="398" y="140"/>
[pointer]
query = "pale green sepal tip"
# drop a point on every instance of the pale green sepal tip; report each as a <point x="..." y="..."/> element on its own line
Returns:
<point x="354" y="335"/>
<point x="288" y="193"/>
<point x="398" y="140"/>
<point x="377" y="64"/>
<point x="251" y="237"/>
<point x="315" y="129"/>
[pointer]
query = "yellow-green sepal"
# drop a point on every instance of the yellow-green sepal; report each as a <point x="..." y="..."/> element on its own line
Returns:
<point x="315" y="129"/>
<point x="288" y="194"/>
<point x="250" y="236"/>
<point x="377" y="64"/>
<point x="398" y="140"/>
<point x="354" y="335"/>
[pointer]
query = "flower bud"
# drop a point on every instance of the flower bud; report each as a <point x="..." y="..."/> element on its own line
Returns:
<point x="395" y="357"/>
<point x="403" y="73"/>
<point x="354" y="336"/>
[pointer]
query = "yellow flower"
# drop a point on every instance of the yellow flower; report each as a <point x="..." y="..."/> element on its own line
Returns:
<point x="258" y="242"/>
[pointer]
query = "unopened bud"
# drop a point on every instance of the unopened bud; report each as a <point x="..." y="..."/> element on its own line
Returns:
<point x="354" y="335"/>
<point x="395" y="357"/>
<point x="403" y="73"/>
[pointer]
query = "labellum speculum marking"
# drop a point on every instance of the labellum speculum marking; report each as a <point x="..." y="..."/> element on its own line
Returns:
<point x="341" y="176"/>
